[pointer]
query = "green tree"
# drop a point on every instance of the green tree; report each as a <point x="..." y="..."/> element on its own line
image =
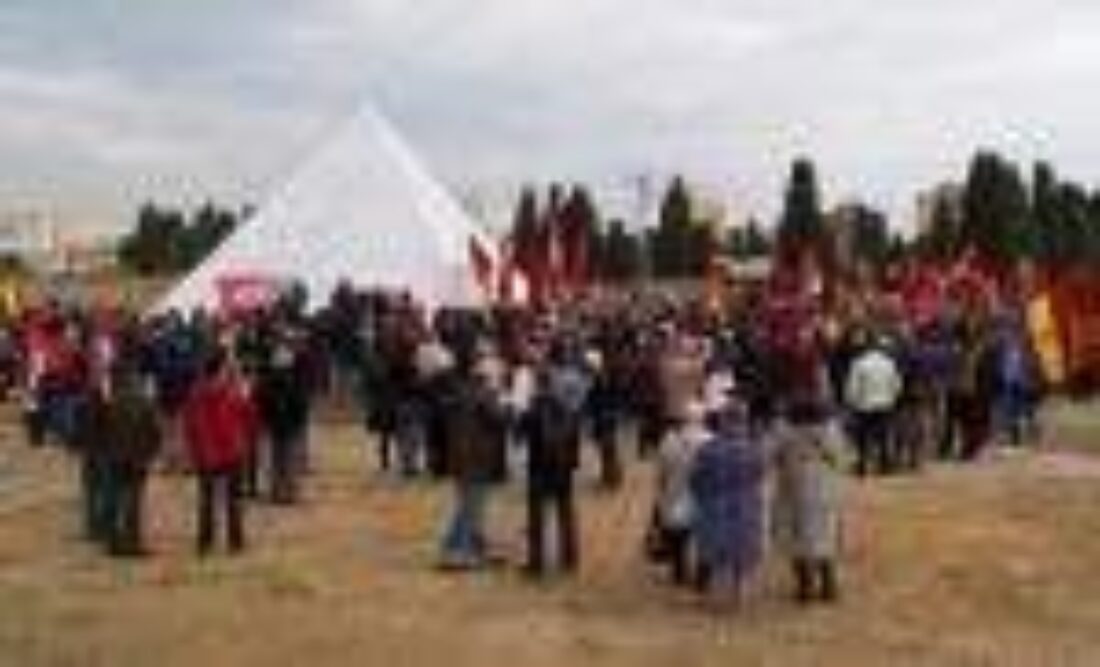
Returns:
<point x="672" y="242"/>
<point x="154" y="246"/>
<point x="1045" y="223"/>
<point x="801" y="225"/>
<point x="209" y="226"/>
<point x="871" y="239"/>
<point x="621" y="257"/>
<point x="995" y="209"/>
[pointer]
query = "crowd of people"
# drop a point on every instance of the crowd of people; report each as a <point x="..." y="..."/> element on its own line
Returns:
<point x="753" y="414"/>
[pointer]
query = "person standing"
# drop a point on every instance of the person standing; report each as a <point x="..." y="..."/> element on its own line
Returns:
<point x="974" y="388"/>
<point x="283" y="395"/>
<point x="474" y="423"/>
<point x="726" y="482"/>
<point x="871" y="393"/>
<point x="554" y="453"/>
<point x="219" y="426"/>
<point x="603" y="412"/>
<point x="809" y="460"/>
<point x="675" y="511"/>
<point x="131" y="434"/>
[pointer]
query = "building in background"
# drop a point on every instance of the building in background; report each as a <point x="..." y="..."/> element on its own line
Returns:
<point x="34" y="240"/>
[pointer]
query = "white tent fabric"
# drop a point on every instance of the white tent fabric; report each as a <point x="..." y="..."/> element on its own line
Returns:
<point x="362" y="209"/>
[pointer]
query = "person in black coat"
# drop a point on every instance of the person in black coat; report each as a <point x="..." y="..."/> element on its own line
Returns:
<point x="283" y="395"/>
<point x="120" y="435"/>
<point x="553" y="438"/>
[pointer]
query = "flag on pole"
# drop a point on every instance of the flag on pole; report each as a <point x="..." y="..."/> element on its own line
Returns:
<point x="1047" y="338"/>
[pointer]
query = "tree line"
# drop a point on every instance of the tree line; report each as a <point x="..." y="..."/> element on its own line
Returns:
<point x="994" y="210"/>
<point x="1009" y="218"/>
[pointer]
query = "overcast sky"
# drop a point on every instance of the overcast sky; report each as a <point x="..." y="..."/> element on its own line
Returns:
<point x="106" y="102"/>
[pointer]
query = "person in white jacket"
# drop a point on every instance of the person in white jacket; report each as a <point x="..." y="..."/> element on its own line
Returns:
<point x="871" y="394"/>
<point x="675" y="509"/>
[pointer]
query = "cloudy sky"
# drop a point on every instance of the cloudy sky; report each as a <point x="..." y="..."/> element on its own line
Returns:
<point x="106" y="102"/>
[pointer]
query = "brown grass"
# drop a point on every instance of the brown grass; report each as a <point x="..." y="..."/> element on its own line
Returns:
<point x="990" y="565"/>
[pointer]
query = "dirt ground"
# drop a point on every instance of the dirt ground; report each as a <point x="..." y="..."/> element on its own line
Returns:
<point x="993" y="564"/>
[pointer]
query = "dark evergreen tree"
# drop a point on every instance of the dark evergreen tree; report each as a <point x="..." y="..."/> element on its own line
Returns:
<point x="871" y="239"/>
<point x="209" y="226"/>
<point x="155" y="244"/>
<point x="801" y="225"/>
<point x="621" y="256"/>
<point x="995" y="209"/>
<point x="672" y="242"/>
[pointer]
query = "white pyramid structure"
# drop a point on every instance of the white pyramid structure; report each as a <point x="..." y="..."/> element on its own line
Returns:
<point x="362" y="209"/>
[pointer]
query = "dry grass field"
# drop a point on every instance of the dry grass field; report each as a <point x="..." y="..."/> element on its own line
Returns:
<point x="987" y="565"/>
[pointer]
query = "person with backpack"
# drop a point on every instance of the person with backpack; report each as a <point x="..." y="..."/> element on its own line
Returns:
<point x="553" y="440"/>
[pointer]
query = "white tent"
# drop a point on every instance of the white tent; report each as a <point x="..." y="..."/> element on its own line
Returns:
<point x="362" y="209"/>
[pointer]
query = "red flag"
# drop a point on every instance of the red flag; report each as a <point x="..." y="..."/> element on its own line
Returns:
<point x="481" y="260"/>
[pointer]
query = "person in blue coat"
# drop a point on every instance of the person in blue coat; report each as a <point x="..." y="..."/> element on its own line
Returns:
<point x="727" y="484"/>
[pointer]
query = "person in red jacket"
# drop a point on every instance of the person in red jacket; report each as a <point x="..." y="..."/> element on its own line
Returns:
<point x="219" y="425"/>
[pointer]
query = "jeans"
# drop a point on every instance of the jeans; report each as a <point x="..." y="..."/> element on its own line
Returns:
<point x="220" y="492"/>
<point x="464" y="542"/>
<point x="411" y="435"/>
<point x="1015" y="413"/>
<point x="541" y="498"/>
<point x="59" y="410"/>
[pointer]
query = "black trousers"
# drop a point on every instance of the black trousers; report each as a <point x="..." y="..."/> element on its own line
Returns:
<point x="284" y="468"/>
<point x="677" y="541"/>
<point x="605" y="433"/>
<point x="544" y="497"/>
<point x="873" y="435"/>
<point x="122" y="509"/>
<point x="220" y="493"/>
<point x="815" y="580"/>
<point x="968" y="426"/>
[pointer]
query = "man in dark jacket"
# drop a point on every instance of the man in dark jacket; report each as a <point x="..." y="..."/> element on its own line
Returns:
<point x="554" y="434"/>
<point x="120" y="437"/>
<point x="283" y="396"/>
<point x="475" y="432"/>
<point x="135" y="439"/>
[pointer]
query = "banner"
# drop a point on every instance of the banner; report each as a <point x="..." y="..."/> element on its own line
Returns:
<point x="241" y="294"/>
<point x="1047" y="338"/>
